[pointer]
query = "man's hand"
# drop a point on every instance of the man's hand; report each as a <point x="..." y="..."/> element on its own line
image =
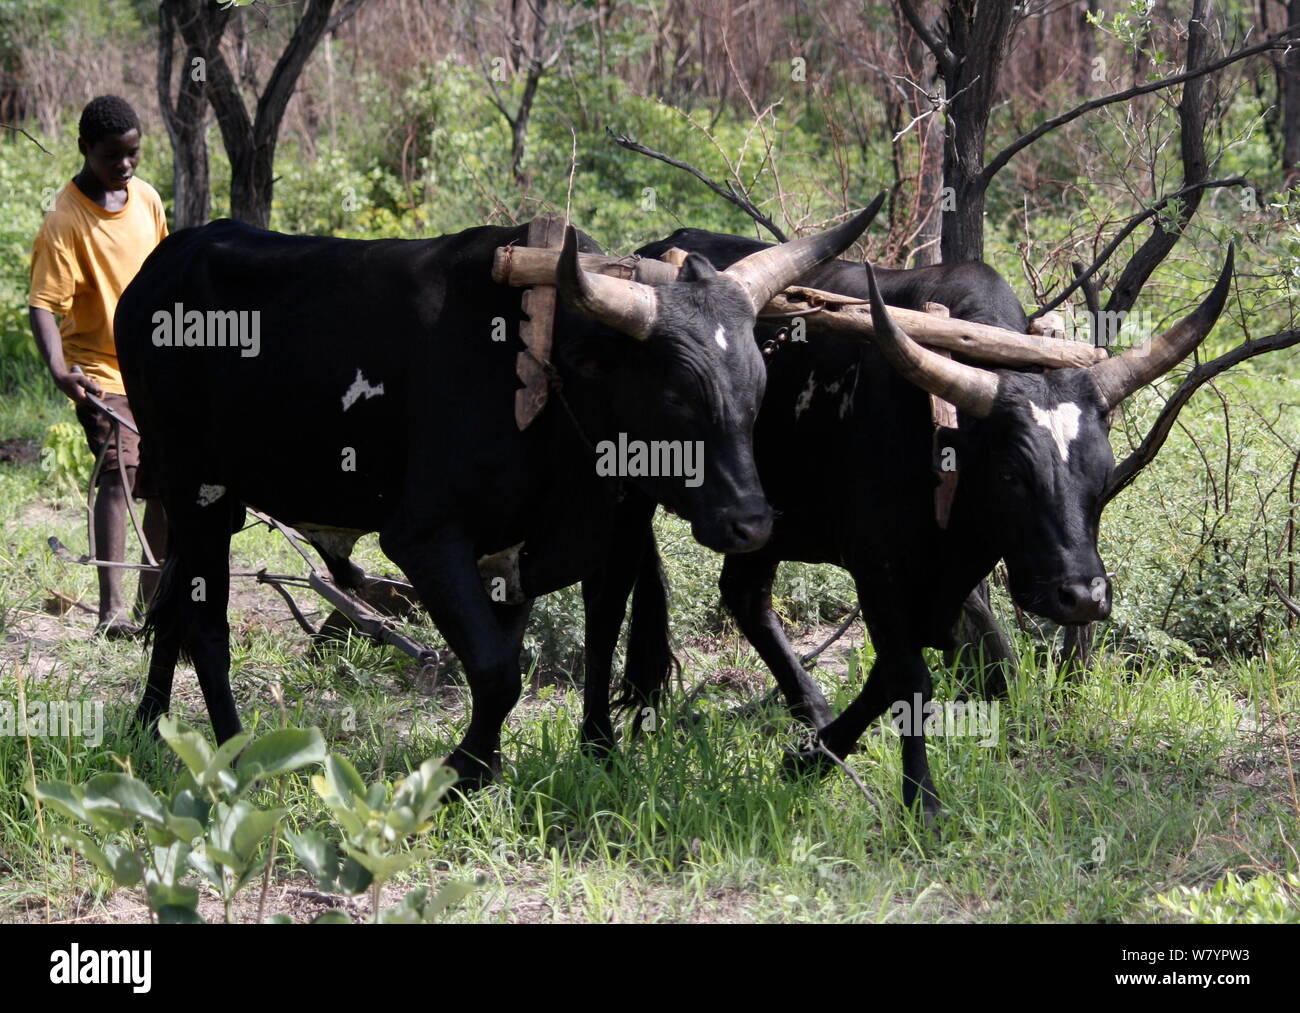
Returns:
<point x="72" y="382"/>
<point x="76" y="384"/>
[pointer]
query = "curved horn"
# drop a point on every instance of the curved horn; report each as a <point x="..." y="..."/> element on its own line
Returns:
<point x="627" y="306"/>
<point x="765" y="273"/>
<point x="1121" y="375"/>
<point x="971" y="389"/>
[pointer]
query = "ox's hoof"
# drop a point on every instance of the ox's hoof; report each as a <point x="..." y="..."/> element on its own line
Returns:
<point x="931" y="816"/>
<point x="472" y="774"/>
<point x="599" y="744"/>
<point x="798" y="764"/>
<point x="926" y="808"/>
<point x="146" y="719"/>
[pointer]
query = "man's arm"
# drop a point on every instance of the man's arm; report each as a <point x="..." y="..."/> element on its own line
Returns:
<point x="46" y="331"/>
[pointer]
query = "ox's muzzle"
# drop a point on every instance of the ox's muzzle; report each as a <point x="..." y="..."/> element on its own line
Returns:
<point x="1081" y="600"/>
<point x="742" y="528"/>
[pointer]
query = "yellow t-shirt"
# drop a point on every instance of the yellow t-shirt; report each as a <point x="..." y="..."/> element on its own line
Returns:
<point x="82" y="261"/>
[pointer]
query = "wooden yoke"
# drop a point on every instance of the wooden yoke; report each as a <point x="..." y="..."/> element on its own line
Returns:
<point x="944" y="416"/>
<point x="538" y="304"/>
<point x="845" y="316"/>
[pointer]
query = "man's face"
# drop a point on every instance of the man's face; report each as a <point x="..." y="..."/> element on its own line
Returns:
<point x="112" y="160"/>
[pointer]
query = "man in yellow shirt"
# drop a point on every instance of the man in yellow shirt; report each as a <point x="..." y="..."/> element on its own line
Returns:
<point x="103" y="225"/>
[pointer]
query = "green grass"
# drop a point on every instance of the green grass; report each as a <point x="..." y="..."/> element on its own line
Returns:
<point x="1138" y="794"/>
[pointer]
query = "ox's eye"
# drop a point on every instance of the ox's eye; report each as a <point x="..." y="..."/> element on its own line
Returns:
<point x="676" y="402"/>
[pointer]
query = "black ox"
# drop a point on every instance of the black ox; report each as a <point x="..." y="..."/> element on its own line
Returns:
<point x="971" y="291"/>
<point x="380" y="401"/>
<point x="844" y="445"/>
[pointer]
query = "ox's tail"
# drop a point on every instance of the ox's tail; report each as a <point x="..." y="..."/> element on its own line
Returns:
<point x="165" y="619"/>
<point x="650" y="664"/>
<point x="170" y="618"/>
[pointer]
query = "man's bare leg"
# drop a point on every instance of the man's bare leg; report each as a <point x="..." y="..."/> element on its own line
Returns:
<point x="110" y="545"/>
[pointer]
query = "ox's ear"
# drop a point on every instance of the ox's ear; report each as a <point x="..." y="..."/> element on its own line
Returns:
<point x="696" y="268"/>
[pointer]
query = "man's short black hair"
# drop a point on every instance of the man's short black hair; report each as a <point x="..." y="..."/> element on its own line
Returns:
<point x="107" y="116"/>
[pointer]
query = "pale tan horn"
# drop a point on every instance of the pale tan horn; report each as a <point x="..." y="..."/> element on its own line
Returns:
<point x="767" y="272"/>
<point x="1121" y="375"/>
<point x="627" y="306"/>
<point x="971" y="389"/>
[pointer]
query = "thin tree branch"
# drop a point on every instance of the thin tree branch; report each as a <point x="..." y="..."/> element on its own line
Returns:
<point x="1091" y="296"/>
<point x="937" y="105"/>
<point x="342" y="15"/>
<point x="20" y="130"/>
<point x="284" y="77"/>
<point x="1291" y="604"/>
<point x="808" y="659"/>
<point x="166" y="45"/>
<point x="933" y="40"/>
<point x="728" y="192"/>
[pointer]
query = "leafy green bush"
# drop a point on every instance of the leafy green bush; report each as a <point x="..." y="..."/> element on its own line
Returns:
<point x="375" y="819"/>
<point x="1267" y="899"/>
<point x="208" y="824"/>
<point x="66" y="458"/>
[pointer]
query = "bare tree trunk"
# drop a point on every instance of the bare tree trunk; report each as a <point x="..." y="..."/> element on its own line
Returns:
<point x="1087" y="48"/>
<point x="1192" y="111"/>
<point x="184" y="118"/>
<point x="1291" y="104"/>
<point x="532" y="59"/>
<point x="978" y="34"/>
<point x="250" y="141"/>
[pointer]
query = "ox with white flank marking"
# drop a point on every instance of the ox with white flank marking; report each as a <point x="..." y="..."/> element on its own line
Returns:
<point x="380" y="401"/>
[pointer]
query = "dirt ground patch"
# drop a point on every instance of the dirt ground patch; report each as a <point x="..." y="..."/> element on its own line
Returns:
<point x="17" y="450"/>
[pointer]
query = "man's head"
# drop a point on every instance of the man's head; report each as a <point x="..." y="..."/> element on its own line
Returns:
<point x="109" y="138"/>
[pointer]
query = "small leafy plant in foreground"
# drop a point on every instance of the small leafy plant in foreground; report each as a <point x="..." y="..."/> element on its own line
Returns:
<point x="209" y="826"/>
<point x="375" y="820"/>
<point x="1271" y="898"/>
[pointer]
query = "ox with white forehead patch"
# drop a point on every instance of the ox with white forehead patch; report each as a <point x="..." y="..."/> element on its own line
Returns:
<point x="1062" y="422"/>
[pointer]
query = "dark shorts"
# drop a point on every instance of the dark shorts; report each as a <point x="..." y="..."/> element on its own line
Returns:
<point x="99" y="433"/>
